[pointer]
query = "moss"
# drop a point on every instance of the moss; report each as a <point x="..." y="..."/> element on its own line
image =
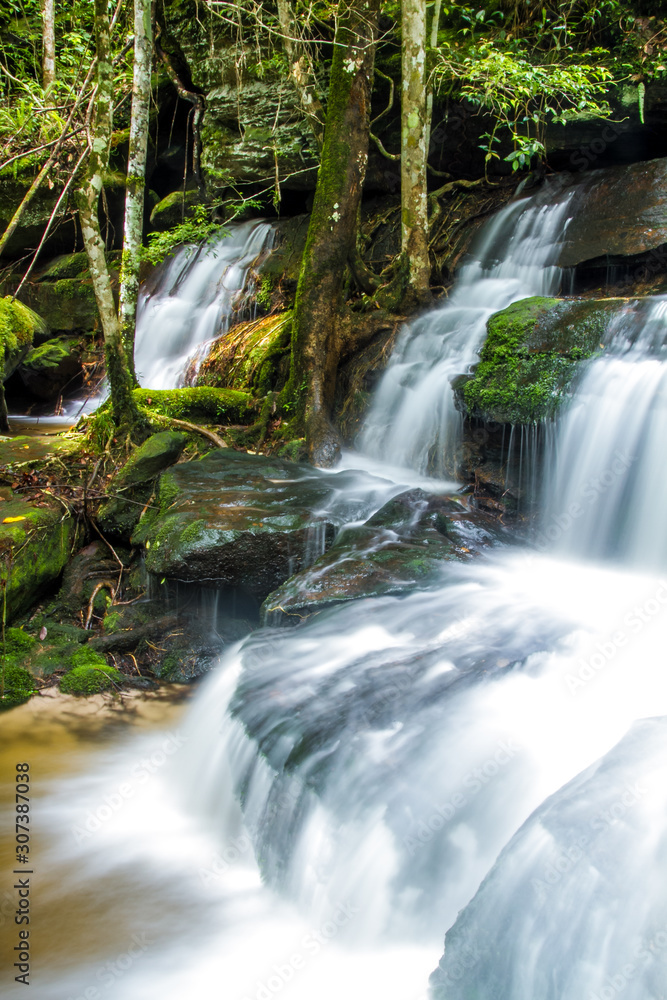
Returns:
<point x="246" y="357"/>
<point x="199" y="403"/>
<point x="18" y="642"/>
<point x="18" y="685"/>
<point x="51" y="354"/>
<point x="533" y="351"/>
<point x="34" y="549"/>
<point x="112" y="620"/>
<point x="89" y="679"/>
<point x="295" y="450"/>
<point x="71" y="265"/>
<point x="18" y="325"/>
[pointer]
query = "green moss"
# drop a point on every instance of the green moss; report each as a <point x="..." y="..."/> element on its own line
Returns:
<point x="533" y="351"/>
<point x="88" y="679"/>
<point x="51" y="354"/>
<point x="112" y="620"/>
<point x="199" y="403"/>
<point x="34" y="550"/>
<point x="295" y="450"/>
<point x="18" y="325"/>
<point x="18" y="685"/>
<point x="71" y="265"/>
<point x="18" y="642"/>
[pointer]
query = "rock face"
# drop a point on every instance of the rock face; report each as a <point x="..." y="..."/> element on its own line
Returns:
<point x="236" y="520"/>
<point x="533" y="351"/>
<point x="620" y="212"/>
<point x="252" y="128"/>
<point x="48" y="369"/>
<point x="403" y="545"/>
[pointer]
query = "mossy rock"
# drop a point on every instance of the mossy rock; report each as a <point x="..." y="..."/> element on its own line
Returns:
<point x="407" y="543"/>
<point x="35" y="544"/>
<point x="119" y="516"/>
<point x="247" y="356"/>
<point x="201" y="403"/>
<point x="178" y="205"/>
<point x="533" y="351"/>
<point x="18" y="325"/>
<point x="18" y="684"/>
<point x="47" y="369"/>
<point x="91" y="676"/>
<point x="67" y="265"/>
<point x="236" y="520"/>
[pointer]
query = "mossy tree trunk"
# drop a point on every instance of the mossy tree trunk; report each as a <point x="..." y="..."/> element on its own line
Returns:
<point x="414" y="151"/>
<point x="136" y="176"/>
<point x="118" y="372"/>
<point x="332" y="232"/>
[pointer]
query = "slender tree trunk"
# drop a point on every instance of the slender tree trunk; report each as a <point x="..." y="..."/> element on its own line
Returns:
<point x="48" y="43"/>
<point x="300" y="72"/>
<point x="88" y="197"/>
<point x="136" y="176"/>
<point x="414" y="152"/>
<point x="435" y="24"/>
<point x="332" y="231"/>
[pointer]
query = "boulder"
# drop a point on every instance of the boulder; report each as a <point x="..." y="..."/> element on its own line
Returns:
<point x="35" y="545"/>
<point x="18" y="325"/>
<point x="533" y="351"/>
<point x="236" y="520"/>
<point x="403" y="546"/>
<point x="46" y="370"/>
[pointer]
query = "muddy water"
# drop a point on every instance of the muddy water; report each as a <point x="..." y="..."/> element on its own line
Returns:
<point x="74" y="918"/>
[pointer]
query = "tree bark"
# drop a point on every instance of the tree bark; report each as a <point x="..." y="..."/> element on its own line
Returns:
<point x="136" y="177"/>
<point x="88" y="197"/>
<point x="332" y="232"/>
<point x="48" y="43"/>
<point x="414" y="152"/>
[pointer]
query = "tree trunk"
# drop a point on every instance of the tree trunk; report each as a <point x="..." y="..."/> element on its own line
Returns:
<point x="332" y="232"/>
<point x="48" y="43"/>
<point x="414" y="152"/>
<point x="136" y="177"/>
<point x="88" y="197"/>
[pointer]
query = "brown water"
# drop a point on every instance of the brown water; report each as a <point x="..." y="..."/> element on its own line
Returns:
<point x="71" y="917"/>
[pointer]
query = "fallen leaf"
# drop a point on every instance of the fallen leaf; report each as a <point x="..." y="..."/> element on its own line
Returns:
<point x="10" y="520"/>
<point x="42" y="633"/>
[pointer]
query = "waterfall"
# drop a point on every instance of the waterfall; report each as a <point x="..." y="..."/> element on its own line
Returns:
<point x="413" y="421"/>
<point x="607" y="477"/>
<point x="192" y="299"/>
<point x="483" y="759"/>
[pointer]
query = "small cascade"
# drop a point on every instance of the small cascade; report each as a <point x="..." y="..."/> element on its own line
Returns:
<point x="193" y="299"/>
<point x="413" y="421"/>
<point x="607" y="475"/>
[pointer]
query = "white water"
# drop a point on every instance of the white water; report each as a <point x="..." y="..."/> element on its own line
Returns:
<point x="605" y="494"/>
<point x="340" y="790"/>
<point x="413" y="421"/>
<point x="192" y="301"/>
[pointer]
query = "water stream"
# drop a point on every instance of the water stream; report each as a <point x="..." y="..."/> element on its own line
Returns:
<point x="468" y="760"/>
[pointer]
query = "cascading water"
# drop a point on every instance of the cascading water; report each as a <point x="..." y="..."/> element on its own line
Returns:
<point x="193" y="300"/>
<point x="340" y="790"/>
<point x="608" y="469"/>
<point x="413" y="421"/>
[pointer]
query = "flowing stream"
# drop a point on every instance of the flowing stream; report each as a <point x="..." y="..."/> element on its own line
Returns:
<point x="484" y="759"/>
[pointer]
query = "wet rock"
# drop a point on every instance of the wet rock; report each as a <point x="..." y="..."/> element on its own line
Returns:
<point x="619" y="211"/>
<point x="236" y="520"/>
<point x="402" y="546"/>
